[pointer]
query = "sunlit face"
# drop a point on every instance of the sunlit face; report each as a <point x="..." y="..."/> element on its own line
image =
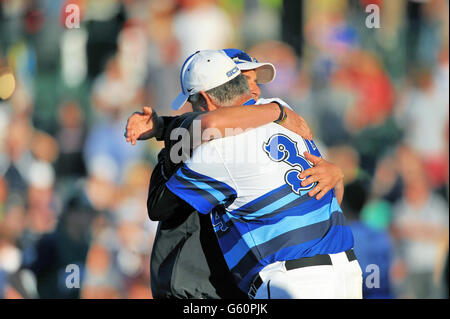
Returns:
<point x="254" y="88"/>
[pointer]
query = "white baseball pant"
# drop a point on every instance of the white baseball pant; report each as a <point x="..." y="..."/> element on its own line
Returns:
<point x="341" y="280"/>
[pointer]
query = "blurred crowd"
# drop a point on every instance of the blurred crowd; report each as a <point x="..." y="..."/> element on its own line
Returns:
<point x="72" y="192"/>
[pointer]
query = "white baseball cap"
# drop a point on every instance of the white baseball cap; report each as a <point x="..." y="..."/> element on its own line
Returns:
<point x="265" y="72"/>
<point x="202" y="71"/>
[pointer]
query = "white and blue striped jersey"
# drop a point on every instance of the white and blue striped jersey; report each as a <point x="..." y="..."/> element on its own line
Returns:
<point x="268" y="215"/>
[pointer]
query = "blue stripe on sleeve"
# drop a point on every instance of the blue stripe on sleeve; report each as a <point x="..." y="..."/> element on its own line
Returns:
<point x="204" y="186"/>
<point x="200" y="191"/>
<point x="190" y="195"/>
<point x="225" y="189"/>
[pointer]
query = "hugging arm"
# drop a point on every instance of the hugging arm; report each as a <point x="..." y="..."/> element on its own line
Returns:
<point x="326" y="174"/>
<point x="231" y="120"/>
<point x="147" y="124"/>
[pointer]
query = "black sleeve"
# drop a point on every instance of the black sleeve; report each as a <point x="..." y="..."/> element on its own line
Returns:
<point x="166" y="120"/>
<point x="161" y="202"/>
<point x="183" y="121"/>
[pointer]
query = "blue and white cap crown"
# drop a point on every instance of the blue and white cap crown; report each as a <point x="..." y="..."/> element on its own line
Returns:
<point x="265" y="72"/>
<point x="202" y="71"/>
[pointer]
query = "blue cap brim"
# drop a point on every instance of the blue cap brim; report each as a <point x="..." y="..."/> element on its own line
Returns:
<point x="179" y="101"/>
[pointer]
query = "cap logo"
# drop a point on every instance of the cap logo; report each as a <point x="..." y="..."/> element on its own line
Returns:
<point x="232" y="71"/>
<point x="242" y="57"/>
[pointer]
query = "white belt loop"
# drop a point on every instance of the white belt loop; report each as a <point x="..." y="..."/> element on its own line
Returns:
<point x="339" y="259"/>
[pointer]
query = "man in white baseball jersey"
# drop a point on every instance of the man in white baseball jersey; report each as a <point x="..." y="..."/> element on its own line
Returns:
<point x="199" y="256"/>
<point x="277" y="241"/>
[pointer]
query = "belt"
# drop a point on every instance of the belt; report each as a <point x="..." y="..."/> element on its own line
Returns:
<point x="317" y="260"/>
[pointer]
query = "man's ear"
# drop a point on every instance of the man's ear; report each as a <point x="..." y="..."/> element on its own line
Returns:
<point x="210" y="106"/>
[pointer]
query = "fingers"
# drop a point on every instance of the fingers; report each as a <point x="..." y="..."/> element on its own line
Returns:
<point x="126" y="134"/>
<point x="312" y="158"/>
<point x="137" y="123"/>
<point x="301" y="129"/>
<point x="309" y="172"/>
<point x="315" y="190"/>
<point x="309" y="134"/>
<point x="322" y="193"/>
<point x="306" y="132"/>
<point x="309" y="181"/>
<point x="147" y="110"/>
<point x="131" y="137"/>
<point x="319" y="191"/>
<point x="130" y="134"/>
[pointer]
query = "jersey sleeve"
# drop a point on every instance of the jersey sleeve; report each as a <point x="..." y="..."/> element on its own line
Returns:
<point x="269" y="100"/>
<point x="203" y="181"/>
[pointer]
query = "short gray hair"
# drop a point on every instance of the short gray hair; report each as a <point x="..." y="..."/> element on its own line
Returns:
<point x="223" y="95"/>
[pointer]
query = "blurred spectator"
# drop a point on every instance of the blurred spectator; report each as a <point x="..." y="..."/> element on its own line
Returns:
<point x="374" y="249"/>
<point x="386" y="182"/>
<point x="105" y="139"/>
<point x="125" y="237"/>
<point x="162" y="82"/>
<point x="114" y="91"/>
<point x="356" y="181"/>
<point x="424" y="119"/>
<point x="10" y="260"/>
<point x="42" y="202"/>
<point x="132" y="56"/>
<point x="15" y="282"/>
<point x="362" y="74"/>
<point x="370" y="221"/>
<point x="44" y="147"/>
<point x="71" y="135"/>
<point x="16" y="160"/>
<point x="420" y="225"/>
<point x="14" y="222"/>
<point x="67" y="245"/>
<point x="252" y="31"/>
<point x="104" y="20"/>
<point x="201" y="25"/>
<point x="101" y="185"/>
<point x="283" y="57"/>
<point x="102" y="280"/>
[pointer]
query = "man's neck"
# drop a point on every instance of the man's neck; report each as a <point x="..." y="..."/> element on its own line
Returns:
<point x="243" y="99"/>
